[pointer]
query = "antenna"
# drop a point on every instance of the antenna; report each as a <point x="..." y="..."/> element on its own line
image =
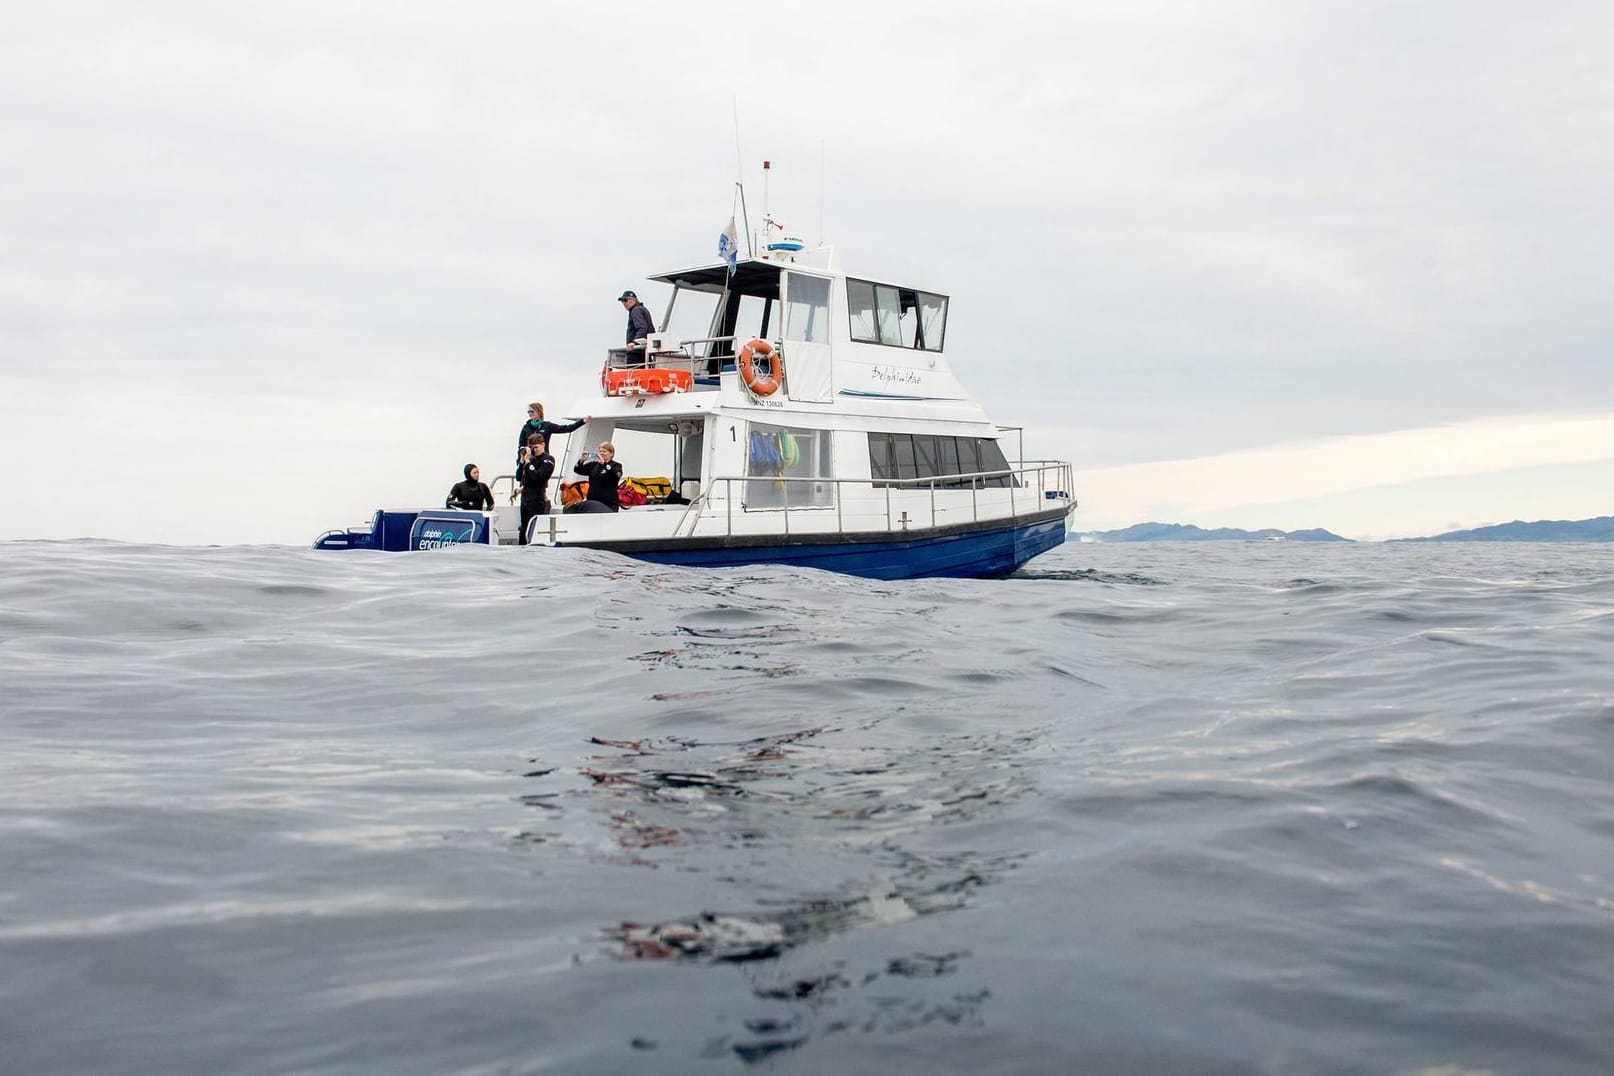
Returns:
<point x="767" y="218"/>
<point x="739" y="181"/>
<point x="820" y="192"/>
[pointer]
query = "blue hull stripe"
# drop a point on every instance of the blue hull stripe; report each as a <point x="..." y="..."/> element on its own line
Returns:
<point x="892" y="396"/>
<point x="969" y="554"/>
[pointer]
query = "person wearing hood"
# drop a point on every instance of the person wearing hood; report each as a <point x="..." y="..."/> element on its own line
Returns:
<point x="537" y="424"/>
<point x="471" y="494"/>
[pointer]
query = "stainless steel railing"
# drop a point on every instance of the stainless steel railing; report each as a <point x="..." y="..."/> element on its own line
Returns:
<point x="1031" y="488"/>
<point x="696" y="354"/>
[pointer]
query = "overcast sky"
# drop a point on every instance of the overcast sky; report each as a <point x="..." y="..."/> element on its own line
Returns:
<point x="267" y="266"/>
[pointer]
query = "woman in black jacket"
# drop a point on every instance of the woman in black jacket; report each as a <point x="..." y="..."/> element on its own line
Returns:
<point x="604" y="476"/>
<point x="536" y="423"/>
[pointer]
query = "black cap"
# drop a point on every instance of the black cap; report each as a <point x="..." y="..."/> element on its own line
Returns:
<point x="627" y="295"/>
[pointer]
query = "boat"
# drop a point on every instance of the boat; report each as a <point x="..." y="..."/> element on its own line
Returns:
<point x="816" y="421"/>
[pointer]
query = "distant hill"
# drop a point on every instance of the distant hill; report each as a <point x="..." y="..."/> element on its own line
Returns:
<point x="1187" y="532"/>
<point x="1600" y="529"/>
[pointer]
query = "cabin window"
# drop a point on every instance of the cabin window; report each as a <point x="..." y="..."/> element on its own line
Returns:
<point x="860" y="303"/>
<point x="691" y="319"/>
<point x="928" y="454"/>
<point x="896" y="317"/>
<point x="888" y="311"/>
<point x="902" y="454"/>
<point x="898" y="456"/>
<point x="807" y="309"/>
<point x="881" y="469"/>
<point x="751" y="319"/>
<point x="784" y="468"/>
<point x="992" y="460"/>
<point x="932" y="320"/>
<point x="969" y="455"/>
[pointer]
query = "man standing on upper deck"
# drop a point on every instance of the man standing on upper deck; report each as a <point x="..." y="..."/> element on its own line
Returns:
<point x="640" y="325"/>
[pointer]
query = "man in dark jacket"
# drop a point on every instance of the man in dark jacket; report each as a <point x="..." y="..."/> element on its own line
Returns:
<point x="471" y="494"/>
<point x="533" y="473"/>
<point x="640" y="325"/>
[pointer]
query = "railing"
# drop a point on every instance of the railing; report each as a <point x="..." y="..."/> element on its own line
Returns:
<point x="907" y="503"/>
<point x="697" y="355"/>
<point x="1029" y="489"/>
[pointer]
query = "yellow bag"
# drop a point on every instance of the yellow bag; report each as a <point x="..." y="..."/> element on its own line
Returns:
<point x="655" y="490"/>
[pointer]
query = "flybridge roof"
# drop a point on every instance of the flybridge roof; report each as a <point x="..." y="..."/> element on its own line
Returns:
<point x="751" y="276"/>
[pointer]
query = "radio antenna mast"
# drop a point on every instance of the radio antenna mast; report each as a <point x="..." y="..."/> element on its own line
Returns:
<point x="739" y="181"/>
<point x="767" y="218"/>
<point x="820" y="192"/>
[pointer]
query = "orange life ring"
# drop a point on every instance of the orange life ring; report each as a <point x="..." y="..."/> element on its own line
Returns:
<point x="758" y="383"/>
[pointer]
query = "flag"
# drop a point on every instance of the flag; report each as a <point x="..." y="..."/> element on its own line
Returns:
<point x="728" y="247"/>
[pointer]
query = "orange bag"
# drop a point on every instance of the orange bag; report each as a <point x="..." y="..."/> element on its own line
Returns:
<point x="572" y="492"/>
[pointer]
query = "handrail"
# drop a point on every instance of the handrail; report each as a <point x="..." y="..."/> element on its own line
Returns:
<point x="692" y="514"/>
<point x="1052" y="479"/>
<point x="617" y="357"/>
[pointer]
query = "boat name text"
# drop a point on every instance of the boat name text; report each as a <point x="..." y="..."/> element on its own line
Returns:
<point x="888" y="375"/>
<point x="437" y="539"/>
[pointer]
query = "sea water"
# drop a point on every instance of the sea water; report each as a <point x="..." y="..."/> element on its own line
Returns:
<point x="1171" y="808"/>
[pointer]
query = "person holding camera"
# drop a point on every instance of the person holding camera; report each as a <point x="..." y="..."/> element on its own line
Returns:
<point x="533" y="471"/>
<point x="604" y="476"/>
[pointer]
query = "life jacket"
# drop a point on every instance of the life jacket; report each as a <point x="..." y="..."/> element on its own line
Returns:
<point x="765" y="452"/>
<point x="572" y="492"/>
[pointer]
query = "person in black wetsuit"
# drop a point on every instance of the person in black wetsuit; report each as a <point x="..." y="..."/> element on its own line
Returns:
<point x="536" y="423"/>
<point x="532" y="474"/>
<point x="472" y="494"/>
<point x="604" y="476"/>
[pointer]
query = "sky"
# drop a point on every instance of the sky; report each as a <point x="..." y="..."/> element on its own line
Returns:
<point x="1346" y="264"/>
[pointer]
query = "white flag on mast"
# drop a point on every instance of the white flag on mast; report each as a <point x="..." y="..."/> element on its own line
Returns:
<point x="728" y="247"/>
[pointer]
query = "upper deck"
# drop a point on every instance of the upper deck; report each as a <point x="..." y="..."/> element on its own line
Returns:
<point x="849" y="345"/>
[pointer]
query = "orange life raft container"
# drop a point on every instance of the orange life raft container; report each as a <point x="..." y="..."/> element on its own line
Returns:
<point x="644" y="381"/>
